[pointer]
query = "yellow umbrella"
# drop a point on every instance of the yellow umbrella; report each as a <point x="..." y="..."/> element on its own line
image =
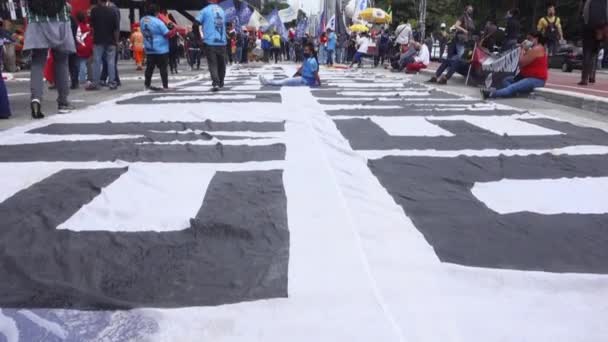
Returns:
<point x="359" y="28"/>
<point x="376" y="16"/>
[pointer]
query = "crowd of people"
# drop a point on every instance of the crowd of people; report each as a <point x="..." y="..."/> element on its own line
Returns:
<point x="71" y="49"/>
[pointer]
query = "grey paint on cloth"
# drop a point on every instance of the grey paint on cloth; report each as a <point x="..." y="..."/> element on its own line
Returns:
<point x="226" y="256"/>
<point x="436" y="194"/>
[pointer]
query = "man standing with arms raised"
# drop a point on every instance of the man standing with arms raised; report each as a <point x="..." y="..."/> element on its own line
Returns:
<point x="213" y="22"/>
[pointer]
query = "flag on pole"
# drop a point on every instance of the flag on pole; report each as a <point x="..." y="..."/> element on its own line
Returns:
<point x="257" y="20"/>
<point x="274" y="21"/>
<point x="245" y="13"/>
<point x="331" y="24"/>
<point x="291" y="12"/>
<point x="322" y="24"/>
<point x="302" y="28"/>
<point x="229" y="10"/>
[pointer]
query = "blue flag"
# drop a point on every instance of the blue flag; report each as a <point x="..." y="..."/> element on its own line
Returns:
<point x="274" y="21"/>
<point x="245" y="13"/>
<point x="302" y="28"/>
<point x="321" y="27"/>
<point x="229" y="10"/>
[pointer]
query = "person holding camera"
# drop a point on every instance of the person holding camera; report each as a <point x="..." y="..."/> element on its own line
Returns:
<point x="156" y="44"/>
<point x="534" y="69"/>
<point x="213" y="21"/>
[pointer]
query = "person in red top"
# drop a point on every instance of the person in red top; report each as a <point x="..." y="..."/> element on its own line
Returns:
<point x="534" y="70"/>
<point x="84" y="45"/>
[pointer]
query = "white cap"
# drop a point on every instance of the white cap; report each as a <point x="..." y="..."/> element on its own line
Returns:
<point x="443" y="25"/>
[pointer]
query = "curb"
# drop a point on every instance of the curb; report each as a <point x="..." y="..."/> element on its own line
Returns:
<point x="591" y="103"/>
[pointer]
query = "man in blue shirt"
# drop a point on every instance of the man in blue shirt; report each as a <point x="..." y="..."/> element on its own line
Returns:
<point x="156" y="44"/>
<point x="213" y="22"/>
<point x="307" y="75"/>
<point x="332" y="41"/>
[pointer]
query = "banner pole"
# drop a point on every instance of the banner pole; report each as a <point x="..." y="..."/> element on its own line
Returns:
<point x="471" y="65"/>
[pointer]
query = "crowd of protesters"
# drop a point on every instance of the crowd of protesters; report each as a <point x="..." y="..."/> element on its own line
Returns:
<point x="70" y="49"/>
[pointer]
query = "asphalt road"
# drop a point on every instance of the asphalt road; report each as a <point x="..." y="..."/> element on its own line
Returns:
<point x="132" y="81"/>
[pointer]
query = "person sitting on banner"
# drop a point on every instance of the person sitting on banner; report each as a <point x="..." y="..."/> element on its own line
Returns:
<point x="307" y="75"/>
<point x="534" y="70"/>
<point x="362" y="47"/>
<point x="420" y="60"/>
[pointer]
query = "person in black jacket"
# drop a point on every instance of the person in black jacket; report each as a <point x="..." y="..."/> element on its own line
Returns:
<point x="512" y="31"/>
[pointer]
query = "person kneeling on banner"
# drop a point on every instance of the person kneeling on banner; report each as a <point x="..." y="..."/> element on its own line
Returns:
<point x="307" y="75"/>
<point x="534" y="70"/>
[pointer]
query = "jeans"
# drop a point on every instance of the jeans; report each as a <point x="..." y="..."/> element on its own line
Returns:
<point x="107" y="52"/>
<point x="85" y="67"/>
<point x="194" y="57"/>
<point x="512" y="87"/>
<point x="239" y="54"/>
<point x="340" y="55"/>
<point x="330" y="57"/>
<point x="289" y="82"/>
<point x="62" y="75"/>
<point x="216" y="61"/>
<point x="452" y="65"/>
<point x="322" y="55"/>
<point x="160" y="61"/>
<point x="357" y="58"/>
<point x="460" y="48"/>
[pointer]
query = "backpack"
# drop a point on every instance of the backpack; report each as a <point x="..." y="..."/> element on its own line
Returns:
<point x="46" y="8"/>
<point x="551" y="32"/>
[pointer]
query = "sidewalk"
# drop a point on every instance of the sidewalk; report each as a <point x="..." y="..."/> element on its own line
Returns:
<point x="562" y="89"/>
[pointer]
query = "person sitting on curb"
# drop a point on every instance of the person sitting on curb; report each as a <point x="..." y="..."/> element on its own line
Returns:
<point x="454" y="64"/>
<point x="534" y="70"/>
<point x="420" y="61"/>
<point x="307" y="75"/>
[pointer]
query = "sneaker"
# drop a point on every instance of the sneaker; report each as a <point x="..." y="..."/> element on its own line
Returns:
<point x="36" y="109"/>
<point x="263" y="80"/>
<point x="113" y="86"/>
<point x="65" y="108"/>
<point x="432" y="80"/>
<point x="91" y="87"/>
<point x="215" y="89"/>
<point x="221" y="85"/>
<point x="442" y="81"/>
<point x="487" y="93"/>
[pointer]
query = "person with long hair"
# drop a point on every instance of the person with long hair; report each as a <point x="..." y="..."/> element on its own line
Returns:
<point x="464" y="27"/>
<point x="49" y="28"/>
<point x="534" y="70"/>
<point x="307" y="75"/>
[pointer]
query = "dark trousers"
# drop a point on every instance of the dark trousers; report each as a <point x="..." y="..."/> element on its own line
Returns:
<point x="591" y="47"/>
<point x="194" y="58"/>
<point x="74" y="64"/>
<point x="216" y="61"/>
<point x="104" y="70"/>
<point x="160" y="61"/>
<point x="276" y="52"/>
<point x="173" y="60"/>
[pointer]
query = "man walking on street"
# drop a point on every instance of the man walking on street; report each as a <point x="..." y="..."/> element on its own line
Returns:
<point x="49" y="28"/>
<point x="551" y="27"/>
<point x="213" y="20"/>
<point x="156" y="43"/>
<point x="105" y="37"/>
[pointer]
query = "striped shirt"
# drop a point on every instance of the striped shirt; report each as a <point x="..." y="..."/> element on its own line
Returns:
<point x="62" y="16"/>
